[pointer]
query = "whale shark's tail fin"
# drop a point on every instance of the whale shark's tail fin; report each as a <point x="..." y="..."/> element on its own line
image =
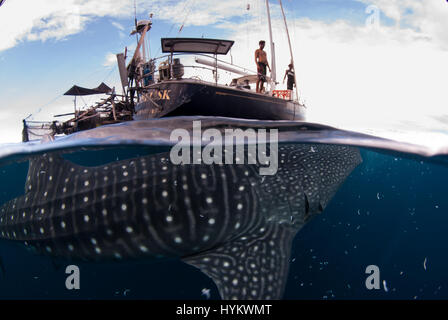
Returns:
<point x="251" y="267"/>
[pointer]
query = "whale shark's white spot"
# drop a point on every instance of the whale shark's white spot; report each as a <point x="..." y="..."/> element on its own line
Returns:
<point x="178" y="240"/>
<point x="64" y="190"/>
<point x="125" y="189"/>
<point x="63" y="225"/>
<point x="106" y="179"/>
<point x="203" y="176"/>
<point x="235" y="282"/>
<point x="86" y="171"/>
<point x="143" y="248"/>
<point x="169" y="219"/>
<point x="42" y="230"/>
<point x="67" y="180"/>
<point x="25" y="232"/>
<point x="104" y="197"/>
<point x="124" y="207"/>
<point x="86" y="218"/>
<point x="185" y="187"/>
<point x="63" y="206"/>
<point x="237" y="225"/>
<point x="50" y="178"/>
<point x="104" y="212"/>
<point x="48" y="249"/>
<point x="164" y="194"/>
<point x="98" y="250"/>
<point x="209" y="200"/>
<point x="129" y="229"/>
<point x="211" y="221"/>
<point x="145" y="172"/>
<point x="241" y="188"/>
<point x="125" y="173"/>
<point x="124" y="167"/>
<point x="206" y="238"/>
<point x="117" y="255"/>
<point x="240" y="206"/>
<point x="86" y="183"/>
<point x="145" y="201"/>
<point x="45" y="194"/>
<point x="226" y="264"/>
<point x="86" y="199"/>
<point x="93" y="241"/>
<point x="109" y="232"/>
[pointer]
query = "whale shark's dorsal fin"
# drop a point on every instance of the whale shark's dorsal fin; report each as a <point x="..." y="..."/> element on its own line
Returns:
<point x="47" y="166"/>
<point x="41" y="165"/>
<point x="251" y="267"/>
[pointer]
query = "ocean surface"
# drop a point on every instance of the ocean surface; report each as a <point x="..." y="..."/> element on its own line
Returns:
<point x="346" y="201"/>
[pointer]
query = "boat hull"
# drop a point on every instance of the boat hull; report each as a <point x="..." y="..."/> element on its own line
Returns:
<point x="196" y="98"/>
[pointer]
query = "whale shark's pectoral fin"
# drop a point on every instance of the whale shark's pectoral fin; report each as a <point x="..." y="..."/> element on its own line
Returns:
<point x="252" y="267"/>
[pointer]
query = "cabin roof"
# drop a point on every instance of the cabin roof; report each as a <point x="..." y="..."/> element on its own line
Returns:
<point x="196" y="45"/>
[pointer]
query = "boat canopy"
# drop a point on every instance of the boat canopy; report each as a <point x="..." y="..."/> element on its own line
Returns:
<point x="196" y="45"/>
<point x="79" y="91"/>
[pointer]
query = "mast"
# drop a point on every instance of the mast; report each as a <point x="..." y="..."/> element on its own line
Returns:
<point x="290" y="49"/>
<point x="273" y="65"/>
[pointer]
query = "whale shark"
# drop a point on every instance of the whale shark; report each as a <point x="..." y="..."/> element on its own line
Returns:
<point x="228" y="221"/>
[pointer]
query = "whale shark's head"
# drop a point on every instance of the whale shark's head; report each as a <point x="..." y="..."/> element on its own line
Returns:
<point x="233" y="224"/>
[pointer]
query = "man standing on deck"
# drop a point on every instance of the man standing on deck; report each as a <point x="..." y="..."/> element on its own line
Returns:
<point x="261" y="60"/>
<point x="290" y="74"/>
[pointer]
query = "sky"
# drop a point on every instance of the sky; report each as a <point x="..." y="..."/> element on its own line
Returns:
<point x="374" y="66"/>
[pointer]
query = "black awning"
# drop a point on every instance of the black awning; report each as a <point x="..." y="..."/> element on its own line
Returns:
<point x="196" y="45"/>
<point x="79" y="91"/>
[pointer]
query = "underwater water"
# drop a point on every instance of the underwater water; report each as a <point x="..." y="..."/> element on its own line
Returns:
<point x="308" y="232"/>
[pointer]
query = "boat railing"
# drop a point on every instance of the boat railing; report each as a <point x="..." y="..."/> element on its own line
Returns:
<point x="243" y="69"/>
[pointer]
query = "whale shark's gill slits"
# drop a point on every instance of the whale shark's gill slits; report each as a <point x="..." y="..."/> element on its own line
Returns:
<point x="307" y="205"/>
<point x="252" y="267"/>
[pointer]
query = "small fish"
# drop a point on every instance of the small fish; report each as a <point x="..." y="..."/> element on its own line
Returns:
<point x="206" y="292"/>
<point x="385" y="286"/>
<point x="424" y="263"/>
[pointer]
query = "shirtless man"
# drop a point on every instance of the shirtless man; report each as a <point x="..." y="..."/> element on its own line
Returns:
<point x="261" y="60"/>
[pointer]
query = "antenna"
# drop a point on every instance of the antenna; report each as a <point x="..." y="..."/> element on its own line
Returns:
<point x="135" y="13"/>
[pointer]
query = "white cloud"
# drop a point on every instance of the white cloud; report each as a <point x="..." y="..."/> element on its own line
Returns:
<point x="110" y="60"/>
<point x="32" y="20"/>
<point x="118" y="26"/>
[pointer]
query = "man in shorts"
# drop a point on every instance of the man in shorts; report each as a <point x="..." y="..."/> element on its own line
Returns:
<point x="261" y="60"/>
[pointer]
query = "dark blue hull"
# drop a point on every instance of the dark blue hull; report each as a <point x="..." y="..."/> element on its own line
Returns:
<point x="195" y="98"/>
